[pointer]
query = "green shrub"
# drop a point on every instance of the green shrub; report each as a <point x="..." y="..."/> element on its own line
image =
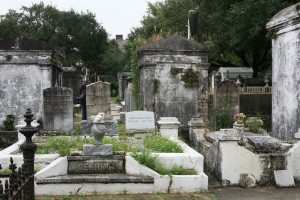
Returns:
<point x="157" y="143"/>
<point x="9" y="123"/>
<point x="254" y="126"/>
<point x="223" y="119"/>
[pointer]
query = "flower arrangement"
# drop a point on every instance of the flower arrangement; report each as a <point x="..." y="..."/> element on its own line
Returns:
<point x="99" y="117"/>
<point x="240" y="118"/>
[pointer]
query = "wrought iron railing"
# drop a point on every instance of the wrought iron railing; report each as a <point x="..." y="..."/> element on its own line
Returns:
<point x="19" y="184"/>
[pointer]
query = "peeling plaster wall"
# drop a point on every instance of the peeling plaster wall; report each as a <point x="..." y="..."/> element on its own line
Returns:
<point x="285" y="27"/>
<point x="22" y="80"/>
<point x="237" y="160"/>
<point x="286" y="85"/>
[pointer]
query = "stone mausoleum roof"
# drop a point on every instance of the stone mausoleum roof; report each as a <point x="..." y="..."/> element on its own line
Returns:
<point x="174" y="43"/>
<point x="285" y="16"/>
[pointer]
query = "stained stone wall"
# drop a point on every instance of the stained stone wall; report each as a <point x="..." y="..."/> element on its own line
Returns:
<point x="164" y="93"/>
<point x="72" y="79"/>
<point x="285" y="72"/>
<point x="58" y="109"/>
<point x="228" y="95"/>
<point x="98" y="99"/>
<point x="123" y="83"/>
<point x="25" y="70"/>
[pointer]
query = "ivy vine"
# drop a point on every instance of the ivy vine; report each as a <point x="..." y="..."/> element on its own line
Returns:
<point x="175" y="70"/>
<point x="191" y="78"/>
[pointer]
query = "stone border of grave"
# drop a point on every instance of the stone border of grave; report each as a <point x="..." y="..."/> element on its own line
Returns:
<point x="190" y="159"/>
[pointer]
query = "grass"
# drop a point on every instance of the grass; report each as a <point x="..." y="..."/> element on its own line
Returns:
<point x="144" y="157"/>
<point x="6" y="170"/>
<point x="113" y="99"/>
<point x="159" y="196"/>
<point x="121" y="129"/>
<point x="156" y="143"/>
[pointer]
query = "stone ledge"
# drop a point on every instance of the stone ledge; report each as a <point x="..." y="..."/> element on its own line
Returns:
<point x="103" y="157"/>
<point x="96" y="178"/>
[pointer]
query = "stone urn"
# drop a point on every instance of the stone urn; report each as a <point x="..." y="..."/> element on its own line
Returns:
<point x="238" y="127"/>
<point x="240" y="130"/>
<point x="98" y="130"/>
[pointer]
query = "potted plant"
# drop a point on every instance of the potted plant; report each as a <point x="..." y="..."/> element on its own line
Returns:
<point x="9" y="135"/>
<point x="99" y="128"/>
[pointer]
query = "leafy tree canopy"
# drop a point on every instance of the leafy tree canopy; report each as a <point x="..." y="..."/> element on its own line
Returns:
<point x="234" y="29"/>
<point x="81" y="35"/>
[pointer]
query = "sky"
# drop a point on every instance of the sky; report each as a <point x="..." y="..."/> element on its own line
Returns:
<point x="116" y="16"/>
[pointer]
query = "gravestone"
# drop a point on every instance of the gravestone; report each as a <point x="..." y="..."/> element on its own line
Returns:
<point x="58" y="109"/>
<point x="227" y="97"/>
<point x="139" y="121"/>
<point x="98" y="99"/>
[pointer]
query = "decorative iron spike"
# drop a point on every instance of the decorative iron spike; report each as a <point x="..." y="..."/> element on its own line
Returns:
<point x="1" y="189"/>
<point x="12" y="166"/>
<point x="19" y="176"/>
<point x="28" y="117"/>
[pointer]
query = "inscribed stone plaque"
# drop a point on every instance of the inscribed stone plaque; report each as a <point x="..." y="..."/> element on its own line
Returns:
<point x="96" y="164"/>
<point x="58" y="109"/>
<point x="139" y="121"/>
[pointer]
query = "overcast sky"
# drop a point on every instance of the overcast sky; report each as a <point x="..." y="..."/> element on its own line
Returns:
<point x="116" y="16"/>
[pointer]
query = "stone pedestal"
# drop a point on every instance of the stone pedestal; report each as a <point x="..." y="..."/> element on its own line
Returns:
<point x="297" y="135"/>
<point x="195" y="124"/>
<point x="122" y="117"/>
<point x="168" y="127"/>
<point x="97" y="150"/>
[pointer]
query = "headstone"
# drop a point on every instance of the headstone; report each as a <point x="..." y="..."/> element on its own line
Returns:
<point x="247" y="180"/>
<point x="264" y="144"/>
<point x="98" y="99"/>
<point x="139" y="121"/>
<point x="228" y="97"/>
<point x="168" y="127"/>
<point x="284" y="178"/>
<point x="96" y="164"/>
<point x="58" y="109"/>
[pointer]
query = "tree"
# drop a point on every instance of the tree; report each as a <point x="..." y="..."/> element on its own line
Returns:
<point x="113" y="60"/>
<point x="81" y="35"/>
<point x="233" y="29"/>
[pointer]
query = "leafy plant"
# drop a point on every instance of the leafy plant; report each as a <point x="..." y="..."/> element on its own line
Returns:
<point x="223" y="118"/>
<point x="175" y="70"/>
<point x="254" y="126"/>
<point x="144" y="157"/>
<point x="9" y="123"/>
<point x="191" y="78"/>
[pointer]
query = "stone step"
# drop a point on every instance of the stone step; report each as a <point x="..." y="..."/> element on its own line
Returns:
<point x="96" y="178"/>
<point x="115" y="109"/>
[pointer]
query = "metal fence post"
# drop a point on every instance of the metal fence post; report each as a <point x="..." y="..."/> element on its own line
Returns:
<point x="29" y="148"/>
